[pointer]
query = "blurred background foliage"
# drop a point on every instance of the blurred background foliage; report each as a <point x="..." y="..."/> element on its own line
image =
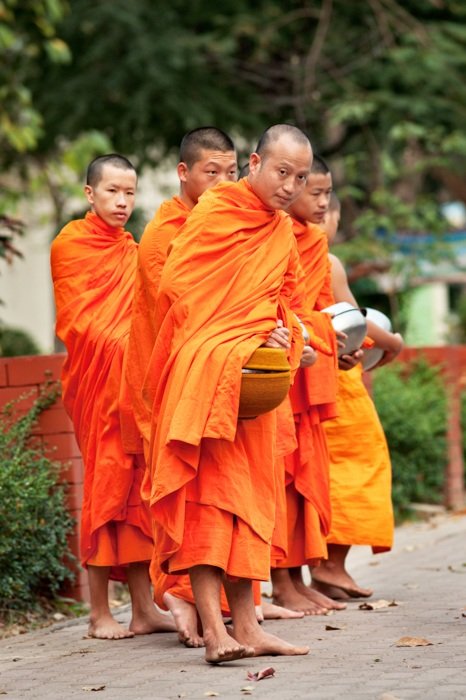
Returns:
<point x="411" y="402"/>
<point x="378" y="84"/>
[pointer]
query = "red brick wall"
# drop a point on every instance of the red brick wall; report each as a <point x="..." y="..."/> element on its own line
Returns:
<point x="26" y="375"/>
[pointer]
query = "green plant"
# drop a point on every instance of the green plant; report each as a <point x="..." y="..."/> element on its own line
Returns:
<point x="34" y="522"/>
<point x="411" y="402"/>
<point x="14" y="342"/>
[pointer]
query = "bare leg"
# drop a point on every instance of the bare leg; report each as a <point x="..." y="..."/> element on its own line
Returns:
<point x="186" y="620"/>
<point x="285" y="594"/>
<point x="247" y="630"/>
<point x="331" y="574"/>
<point x="101" y="623"/>
<point x="314" y="596"/>
<point x="146" y="617"/>
<point x="205" y="582"/>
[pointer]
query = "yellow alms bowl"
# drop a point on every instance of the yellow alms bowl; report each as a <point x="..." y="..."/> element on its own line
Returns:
<point x="265" y="382"/>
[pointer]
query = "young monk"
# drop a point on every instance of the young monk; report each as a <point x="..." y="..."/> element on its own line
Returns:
<point x="231" y="271"/>
<point x="360" y="470"/>
<point x="313" y="401"/>
<point x="207" y="156"/>
<point x="93" y="267"/>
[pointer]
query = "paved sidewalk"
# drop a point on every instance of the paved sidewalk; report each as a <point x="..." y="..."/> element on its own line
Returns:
<point x="425" y="574"/>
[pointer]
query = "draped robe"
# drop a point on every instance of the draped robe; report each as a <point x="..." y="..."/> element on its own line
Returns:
<point x="312" y="401"/>
<point x="93" y="268"/>
<point x="230" y="274"/>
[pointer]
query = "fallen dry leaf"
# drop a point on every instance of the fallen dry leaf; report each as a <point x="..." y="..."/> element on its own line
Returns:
<point x="331" y="628"/>
<point x="268" y="672"/>
<point x="377" y="605"/>
<point x="211" y="694"/>
<point x="456" y="571"/>
<point x="413" y="642"/>
<point x="247" y="688"/>
<point x="93" y="687"/>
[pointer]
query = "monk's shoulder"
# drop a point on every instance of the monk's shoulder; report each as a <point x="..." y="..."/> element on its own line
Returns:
<point x="64" y="238"/>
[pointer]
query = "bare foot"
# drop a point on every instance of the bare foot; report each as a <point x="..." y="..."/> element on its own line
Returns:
<point x="153" y="620"/>
<point x="331" y="592"/>
<point x="259" y="613"/>
<point x="293" y="600"/>
<point x="276" y="612"/>
<point x="340" y="580"/>
<point x="106" y="627"/>
<point x="186" y="620"/>
<point x="224" y="647"/>
<point x="267" y="644"/>
<point x="318" y="598"/>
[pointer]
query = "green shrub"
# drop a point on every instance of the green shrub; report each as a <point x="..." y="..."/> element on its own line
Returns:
<point x="411" y="402"/>
<point x="34" y="522"/>
<point x="15" y="342"/>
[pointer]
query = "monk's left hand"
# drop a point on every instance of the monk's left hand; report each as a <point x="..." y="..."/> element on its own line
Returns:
<point x="347" y="362"/>
<point x="308" y="357"/>
<point x="279" y="337"/>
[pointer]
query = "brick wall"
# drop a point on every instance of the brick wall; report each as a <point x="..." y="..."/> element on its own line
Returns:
<point x="26" y="375"/>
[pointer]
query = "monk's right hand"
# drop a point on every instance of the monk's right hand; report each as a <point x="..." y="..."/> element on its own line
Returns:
<point x="347" y="362"/>
<point x="279" y="337"/>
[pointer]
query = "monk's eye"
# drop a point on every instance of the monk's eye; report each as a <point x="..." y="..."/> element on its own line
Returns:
<point x="282" y="171"/>
<point x="212" y="172"/>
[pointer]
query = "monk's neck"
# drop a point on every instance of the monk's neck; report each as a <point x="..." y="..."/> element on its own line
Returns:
<point x="96" y="221"/>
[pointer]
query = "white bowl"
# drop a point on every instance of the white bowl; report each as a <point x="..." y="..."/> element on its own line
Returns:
<point x="350" y="320"/>
<point x="372" y="356"/>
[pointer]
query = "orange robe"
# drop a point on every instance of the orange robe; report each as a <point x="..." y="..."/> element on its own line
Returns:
<point x="152" y="255"/>
<point x="93" y="268"/>
<point x="313" y="400"/>
<point x="153" y="251"/>
<point x="360" y="469"/>
<point x="230" y="273"/>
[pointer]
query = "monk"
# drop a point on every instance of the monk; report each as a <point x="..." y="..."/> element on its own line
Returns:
<point x="207" y="156"/>
<point x="313" y="400"/>
<point x="360" y="470"/>
<point x="93" y="267"/>
<point x="227" y="288"/>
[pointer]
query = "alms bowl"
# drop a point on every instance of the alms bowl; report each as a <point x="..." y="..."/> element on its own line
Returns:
<point x="350" y="320"/>
<point x="265" y="382"/>
<point x="372" y="356"/>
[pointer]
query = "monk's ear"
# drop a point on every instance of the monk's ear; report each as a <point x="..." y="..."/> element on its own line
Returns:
<point x="88" y="191"/>
<point x="182" y="170"/>
<point x="254" y="163"/>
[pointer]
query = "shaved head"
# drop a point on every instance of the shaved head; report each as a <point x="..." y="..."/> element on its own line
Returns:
<point x="319" y="166"/>
<point x="275" y="133"/>
<point x="95" y="167"/>
<point x="205" y="138"/>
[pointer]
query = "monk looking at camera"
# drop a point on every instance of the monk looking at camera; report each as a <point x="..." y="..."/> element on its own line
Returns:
<point x="226" y="289"/>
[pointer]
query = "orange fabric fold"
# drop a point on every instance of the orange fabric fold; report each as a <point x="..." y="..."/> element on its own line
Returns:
<point x="153" y="250"/>
<point x="230" y="272"/>
<point x="93" y="268"/>
<point x="360" y="469"/>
